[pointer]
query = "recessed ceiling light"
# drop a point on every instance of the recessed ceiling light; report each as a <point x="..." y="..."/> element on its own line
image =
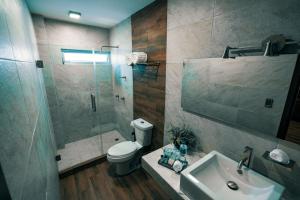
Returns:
<point x="74" y="15"/>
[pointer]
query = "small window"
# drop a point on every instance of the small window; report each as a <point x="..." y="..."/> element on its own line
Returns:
<point x="84" y="56"/>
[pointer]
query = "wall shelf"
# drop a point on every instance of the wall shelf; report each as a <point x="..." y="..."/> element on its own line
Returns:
<point x="146" y="70"/>
<point x="149" y="64"/>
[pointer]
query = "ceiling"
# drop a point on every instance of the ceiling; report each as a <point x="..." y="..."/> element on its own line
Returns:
<point x="102" y="13"/>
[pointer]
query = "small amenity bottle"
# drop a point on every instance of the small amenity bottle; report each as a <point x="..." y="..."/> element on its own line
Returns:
<point x="183" y="149"/>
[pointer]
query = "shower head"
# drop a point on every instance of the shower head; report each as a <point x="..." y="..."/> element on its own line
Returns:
<point x="108" y="46"/>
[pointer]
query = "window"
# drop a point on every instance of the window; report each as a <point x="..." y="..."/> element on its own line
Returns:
<point x="84" y="56"/>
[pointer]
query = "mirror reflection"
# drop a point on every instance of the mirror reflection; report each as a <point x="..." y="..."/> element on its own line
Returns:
<point x="246" y="92"/>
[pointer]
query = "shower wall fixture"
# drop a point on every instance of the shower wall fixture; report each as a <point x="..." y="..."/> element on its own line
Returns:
<point x="110" y="47"/>
<point x="271" y="46"/>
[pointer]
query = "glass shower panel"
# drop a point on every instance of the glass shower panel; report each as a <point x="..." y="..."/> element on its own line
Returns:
<point x="81" y="102"/>
<point x="104" y="100"/>
<point x="73" y="83"/>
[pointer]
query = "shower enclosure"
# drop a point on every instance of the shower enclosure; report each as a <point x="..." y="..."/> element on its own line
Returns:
<point x="78" y="82"/>
<point x="80" y="96"/>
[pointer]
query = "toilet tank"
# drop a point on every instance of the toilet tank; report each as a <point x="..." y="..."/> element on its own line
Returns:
<point x="143" y="131"/>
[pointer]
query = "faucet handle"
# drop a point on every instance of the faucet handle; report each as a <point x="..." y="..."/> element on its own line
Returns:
<point x="249" y="151"/>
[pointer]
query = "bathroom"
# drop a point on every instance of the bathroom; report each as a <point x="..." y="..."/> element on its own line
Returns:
<point x="95" y="95"/>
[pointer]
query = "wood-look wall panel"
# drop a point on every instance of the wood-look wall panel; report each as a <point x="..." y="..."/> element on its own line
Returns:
<point x="149" y="34"/>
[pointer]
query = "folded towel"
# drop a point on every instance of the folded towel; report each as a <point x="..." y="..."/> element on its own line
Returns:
<point x="177" y="166"/>
<point x="279" y="156"/>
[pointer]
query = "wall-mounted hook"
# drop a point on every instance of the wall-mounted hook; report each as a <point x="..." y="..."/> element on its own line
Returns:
<point x="123" y="98"/>
<point x="39" y="64"/>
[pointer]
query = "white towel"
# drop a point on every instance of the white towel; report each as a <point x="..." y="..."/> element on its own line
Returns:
<point x="139" y="57"/>
<point x="177" y="166"/>
<point x="129" y="59"/>
<point x="279" y="156"/>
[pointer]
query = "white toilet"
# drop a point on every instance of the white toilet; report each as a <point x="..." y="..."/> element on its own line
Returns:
<point x="126" y="155"/>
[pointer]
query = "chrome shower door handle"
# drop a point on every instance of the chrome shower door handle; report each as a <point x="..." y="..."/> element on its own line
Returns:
<point x="93" y="101"/>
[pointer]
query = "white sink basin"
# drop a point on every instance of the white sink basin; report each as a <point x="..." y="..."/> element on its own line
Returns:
<point x="208" y="177"/>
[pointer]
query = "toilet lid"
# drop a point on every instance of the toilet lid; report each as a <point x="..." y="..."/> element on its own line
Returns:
<point x="122" y="149"/>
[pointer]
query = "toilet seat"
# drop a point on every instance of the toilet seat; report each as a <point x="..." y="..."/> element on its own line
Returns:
<point x="122" y="151"/>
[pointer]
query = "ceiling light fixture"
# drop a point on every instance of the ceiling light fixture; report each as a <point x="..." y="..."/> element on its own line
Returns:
<point x="74" y="15"/>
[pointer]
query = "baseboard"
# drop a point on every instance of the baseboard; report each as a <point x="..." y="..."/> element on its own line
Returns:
<point x="81" y="166"/>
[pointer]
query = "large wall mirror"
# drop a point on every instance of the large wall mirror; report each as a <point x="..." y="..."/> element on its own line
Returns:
<point x="255" y="93"/>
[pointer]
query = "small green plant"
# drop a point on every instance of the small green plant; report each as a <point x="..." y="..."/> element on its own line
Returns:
<point x="182" y="135"/>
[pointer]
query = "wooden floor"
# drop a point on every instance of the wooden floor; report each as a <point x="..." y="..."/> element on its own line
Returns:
<point x="97" y="183"/>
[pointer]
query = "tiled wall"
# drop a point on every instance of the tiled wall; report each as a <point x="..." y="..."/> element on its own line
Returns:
<point x="120" y="35"/>
<point x="27" y="152"/>
<point x="200" y="29"/>
<point x="69" y="86"/>
<point x="149" y="35"/>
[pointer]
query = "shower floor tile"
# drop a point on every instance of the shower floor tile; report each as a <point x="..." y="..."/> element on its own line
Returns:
<point x="76" y="153"/>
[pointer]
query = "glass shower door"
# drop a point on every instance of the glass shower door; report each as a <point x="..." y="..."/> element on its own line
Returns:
<point x="73" y="101"/>
<point x="73" y="83"/>
<point x="81" y="102"/>
<point x="104" y="102"/>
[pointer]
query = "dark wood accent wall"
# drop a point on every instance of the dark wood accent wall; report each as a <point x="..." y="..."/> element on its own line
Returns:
<point x="149" y="34"/>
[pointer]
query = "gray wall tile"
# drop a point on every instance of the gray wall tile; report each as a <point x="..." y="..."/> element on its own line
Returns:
<point x="234" y="23"/>
<point x="23" y="101"/>
<point x="5" y="43"/>
<point x="19" y="30"/>
<point x="74" y="35"/>
<point x="16" y="129"/>
<point x="121" y="35"/>
<point x="68" y="87"/>
<point x="188" y="12"/>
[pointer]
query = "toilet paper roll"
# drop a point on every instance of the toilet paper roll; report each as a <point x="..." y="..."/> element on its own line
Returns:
<point x="139" y="57"/>
<point x="177" y="166"/>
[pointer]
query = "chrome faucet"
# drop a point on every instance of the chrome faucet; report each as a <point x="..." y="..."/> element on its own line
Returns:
<point x="245" y="161"/>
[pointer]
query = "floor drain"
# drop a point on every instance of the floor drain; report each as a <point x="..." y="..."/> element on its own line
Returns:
<point x="116" y="139"/>
<point x="232" y="185"/>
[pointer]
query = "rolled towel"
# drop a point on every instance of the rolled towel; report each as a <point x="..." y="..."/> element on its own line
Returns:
<point x="129" y="59"/>
<point x="177" y="166"/>
<point x="139" y="57"/>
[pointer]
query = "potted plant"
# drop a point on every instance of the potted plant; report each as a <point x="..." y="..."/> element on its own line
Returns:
<point x="182" y="135"/>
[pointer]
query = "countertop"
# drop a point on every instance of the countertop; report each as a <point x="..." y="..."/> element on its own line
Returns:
<point x="168" y="179"/>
